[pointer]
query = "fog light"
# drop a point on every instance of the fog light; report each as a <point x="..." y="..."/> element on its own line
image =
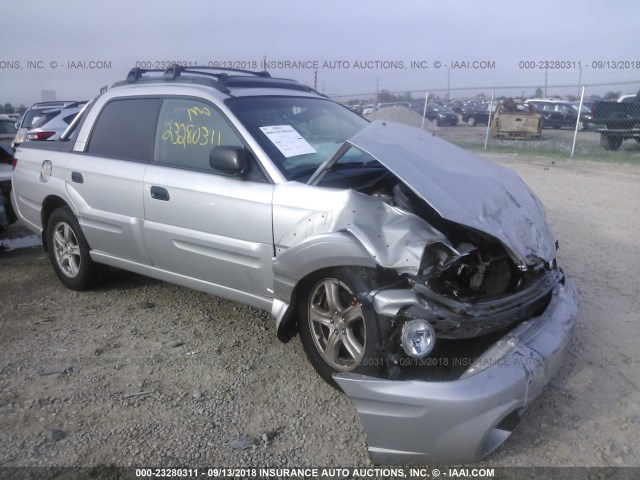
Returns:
<point x="418" y="338"/>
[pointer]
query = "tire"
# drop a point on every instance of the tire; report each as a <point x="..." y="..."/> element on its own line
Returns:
<point x="347" y="340"/>
<point x="610" y="143"/>
<point x="69" y="251"/>
<point x="471" y="121"/>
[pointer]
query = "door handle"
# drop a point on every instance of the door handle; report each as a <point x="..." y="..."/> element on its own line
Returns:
<point x="159" y="193"/>
<point x="77" y="177"/>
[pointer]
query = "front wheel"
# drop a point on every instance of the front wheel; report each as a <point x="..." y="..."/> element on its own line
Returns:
<point x="69" y="251"/>
<point x="471" y="121"/>
<point x="338" y="333"/>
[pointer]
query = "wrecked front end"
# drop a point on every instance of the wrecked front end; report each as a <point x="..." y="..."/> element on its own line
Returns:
<point x="458" y="409"/>
<point x="476" y="315"/>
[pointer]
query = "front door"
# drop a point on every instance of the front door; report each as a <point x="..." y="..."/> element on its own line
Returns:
<point x="214" y="230"/>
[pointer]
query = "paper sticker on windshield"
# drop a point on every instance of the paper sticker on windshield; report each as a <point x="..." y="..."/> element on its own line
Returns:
<point x="288" y="140"/>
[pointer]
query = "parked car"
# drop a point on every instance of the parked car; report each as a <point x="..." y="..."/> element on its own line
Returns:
<point x="628" y="98"/>
<point x="369" y="109"/>
<point x="513" y="119"/>
<point x="389" y="250"/>
<point x="559" y="114"/>
<point x="36" y="113"/>
<point x="51" y="127"/>
<point x="469" y="106"/>
<point x="440" y="115"/>
<point x="8" y="130"/>
<point x="479" y="115"/>
<point x="455" y="105"/>
<point x="616" y="121"/>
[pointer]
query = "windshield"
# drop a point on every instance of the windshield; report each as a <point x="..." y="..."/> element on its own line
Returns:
<point x="299" y="133"/>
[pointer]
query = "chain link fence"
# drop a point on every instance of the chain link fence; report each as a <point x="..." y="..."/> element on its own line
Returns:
<point x="507" y="119"/>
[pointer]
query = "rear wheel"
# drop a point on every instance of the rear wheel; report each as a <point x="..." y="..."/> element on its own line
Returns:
<point x="69" y="251"/>
<point x="610" y="143"/>
<point x="471" y="121"/>
<point x="338" y="333"/>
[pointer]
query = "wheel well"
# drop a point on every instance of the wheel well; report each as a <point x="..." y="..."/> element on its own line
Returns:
<point x="48" y="206"/>
<point x="288" y="327"/>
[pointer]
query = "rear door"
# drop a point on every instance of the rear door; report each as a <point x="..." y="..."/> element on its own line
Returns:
<point x="106" y="181"/>
<point x="199" y="223"/>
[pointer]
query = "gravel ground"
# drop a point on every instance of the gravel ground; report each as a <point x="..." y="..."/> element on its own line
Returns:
<point x="142" y="373"/>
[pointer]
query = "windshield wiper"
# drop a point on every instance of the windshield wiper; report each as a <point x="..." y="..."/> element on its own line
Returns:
<point x="305" y="172"/>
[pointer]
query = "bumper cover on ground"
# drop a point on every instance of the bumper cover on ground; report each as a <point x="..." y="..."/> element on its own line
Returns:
<point x="460" y="421"/>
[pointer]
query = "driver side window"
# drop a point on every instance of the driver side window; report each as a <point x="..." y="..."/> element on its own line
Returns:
<point x="187" y="131"/>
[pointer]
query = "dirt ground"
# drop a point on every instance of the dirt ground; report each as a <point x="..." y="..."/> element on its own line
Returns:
<point x="142" y="373"/>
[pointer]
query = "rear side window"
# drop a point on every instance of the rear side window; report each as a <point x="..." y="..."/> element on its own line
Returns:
<point x="126" y="129"/>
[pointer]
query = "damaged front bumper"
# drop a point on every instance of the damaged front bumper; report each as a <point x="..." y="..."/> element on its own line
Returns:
<point x="460" y="421"/>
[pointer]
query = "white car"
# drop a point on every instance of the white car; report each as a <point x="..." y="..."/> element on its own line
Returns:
<point x="369" y="109"/>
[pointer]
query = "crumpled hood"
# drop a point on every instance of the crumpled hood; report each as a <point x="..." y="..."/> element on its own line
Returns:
<point x="461" y="186"/>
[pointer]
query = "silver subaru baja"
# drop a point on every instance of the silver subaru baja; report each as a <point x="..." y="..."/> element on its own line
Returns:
<point x="421" y="278"/>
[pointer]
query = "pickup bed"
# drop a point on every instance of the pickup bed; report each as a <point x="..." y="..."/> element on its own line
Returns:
<point x="616" y="122"/>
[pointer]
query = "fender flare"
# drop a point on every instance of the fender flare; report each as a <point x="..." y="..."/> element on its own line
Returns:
<point x="292" y="266"/>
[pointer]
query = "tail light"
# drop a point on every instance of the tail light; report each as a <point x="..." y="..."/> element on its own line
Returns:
<point x="14" y="162"/>
<point x="39" y="135"/>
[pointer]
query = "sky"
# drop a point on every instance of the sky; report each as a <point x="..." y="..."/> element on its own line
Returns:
<point x="72" y="48"/>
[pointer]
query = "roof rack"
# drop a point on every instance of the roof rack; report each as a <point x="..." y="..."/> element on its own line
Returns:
<point x="221" y="81"/>
<point x="174" y="71"/>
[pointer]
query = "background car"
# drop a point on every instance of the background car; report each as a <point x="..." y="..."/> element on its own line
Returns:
<point x="368" y="110"/>
<point x="469" y="106"/>
<point x="35" y="114"/>
<point x="51" y="127"/>
<point x="440" y="115"/>
<point x="479" y="115"/>
<point x="628" y="98"/>
<point x="559" y="114"/>
<point x="513" y="119"/>
<point x="455" y="105"/>
<point x="8" y="130"/>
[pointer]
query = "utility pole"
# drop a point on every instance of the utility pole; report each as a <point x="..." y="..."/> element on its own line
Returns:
<point x="545" y="83"/>
<point x="315" y="80"/>
<point x="448" y="85"/>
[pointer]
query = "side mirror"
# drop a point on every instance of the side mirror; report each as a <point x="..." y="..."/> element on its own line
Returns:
<point x="233" y="161"/>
